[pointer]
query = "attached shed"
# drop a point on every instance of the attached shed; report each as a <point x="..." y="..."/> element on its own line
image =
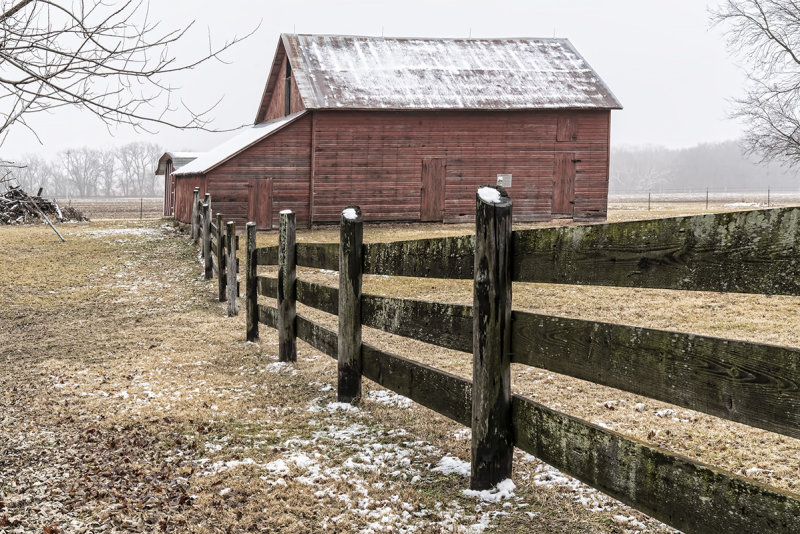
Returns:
<point x="167" y="164"/>
<point x="408" y="129"/>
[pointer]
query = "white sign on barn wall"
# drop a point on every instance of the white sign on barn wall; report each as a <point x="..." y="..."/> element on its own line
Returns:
<point x="504" y="180"/>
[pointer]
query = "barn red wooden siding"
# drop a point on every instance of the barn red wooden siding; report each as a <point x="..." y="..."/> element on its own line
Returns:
<point x="284" y="157"/>
<point x="184" y="187"/>
<point x="379" y="160"/>
<point x="375" y="159"/>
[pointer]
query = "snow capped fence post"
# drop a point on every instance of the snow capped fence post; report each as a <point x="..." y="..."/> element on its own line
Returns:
<point x="230" y="261"/>
<point x="251" y="270"/>
<point x="222" y="278"/>
<point x="351" y="235"/>
<point x="208" y="266"/>
<point x="492" y="438"/>
<point x="195" y="214"/>
<point x="287" y="288"/>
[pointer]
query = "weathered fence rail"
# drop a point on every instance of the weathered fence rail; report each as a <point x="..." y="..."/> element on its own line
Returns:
<point x="218" y="246"/>
<point x="750" y="383"/>
<point x="740" y="252"/>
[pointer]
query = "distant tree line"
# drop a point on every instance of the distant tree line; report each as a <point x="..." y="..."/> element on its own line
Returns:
<point x="126" y="171"/>
<point x="717" y="166"/>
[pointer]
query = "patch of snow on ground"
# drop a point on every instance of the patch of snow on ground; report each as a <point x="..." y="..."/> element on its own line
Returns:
<point x="628" y="521"/>
<point x="281" y="367"/>
<point x="450" y="464"/>
<point x="372" y="462"/>
<point x="549" y="477"/>
<point x="390" y="399"/>
<point x="220" y="466"/>
<point x="144" y="231"/>
<point x="341" y="406"/>
<point x="503" y="491"/>
<point x="278" y="466"/>
<point x="463" y="434"/>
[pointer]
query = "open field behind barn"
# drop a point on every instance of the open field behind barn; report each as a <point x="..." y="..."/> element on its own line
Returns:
<point x="118" y="208"/>
<point x="128" y="401"/>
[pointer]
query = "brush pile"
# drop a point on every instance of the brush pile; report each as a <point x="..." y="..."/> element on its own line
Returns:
<point x="17" y="207"/>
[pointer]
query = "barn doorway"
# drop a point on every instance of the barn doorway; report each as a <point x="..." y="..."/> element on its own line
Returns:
<point x="432" y="190"/>
<point x="259" y="203"/>
<point x="564" y="185"/>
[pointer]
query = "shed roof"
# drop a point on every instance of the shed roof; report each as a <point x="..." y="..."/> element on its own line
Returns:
<point x="352" y="72"/>
<point x="179" y="159"/>
<point x="244" y="139"/>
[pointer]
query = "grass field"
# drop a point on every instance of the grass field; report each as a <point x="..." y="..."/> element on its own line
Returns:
<point x="118" y="208"/>
<point x="130" y="402"/>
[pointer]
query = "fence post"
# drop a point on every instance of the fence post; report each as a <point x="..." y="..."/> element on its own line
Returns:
<point x="351" y="235"/>
<point x="492" y="438"/>
<point x="251" y="297"/>
<point x="287" y="288"/>
<point x="230" y="243"/>
<point x="195" y="214"/>
<point x="222" y="277"/>
<point x="209" y="269"/>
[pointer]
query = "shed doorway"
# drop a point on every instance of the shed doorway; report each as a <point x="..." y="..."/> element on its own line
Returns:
<point x="432" y="190"/>
<point x="564" y="185"/>
<point x="259" y="203"/>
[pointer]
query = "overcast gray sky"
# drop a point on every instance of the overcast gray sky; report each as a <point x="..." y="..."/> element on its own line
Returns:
<point x="660" y="57"/>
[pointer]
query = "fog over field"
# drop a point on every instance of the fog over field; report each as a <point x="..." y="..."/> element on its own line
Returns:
<point x="719" y="167"/>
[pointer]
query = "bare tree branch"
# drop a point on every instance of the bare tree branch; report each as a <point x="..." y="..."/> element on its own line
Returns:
<point x="766" y="35"/>
<point x="108" y="58"/>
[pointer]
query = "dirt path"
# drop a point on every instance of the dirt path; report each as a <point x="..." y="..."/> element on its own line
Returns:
<point x="129" y="402"/>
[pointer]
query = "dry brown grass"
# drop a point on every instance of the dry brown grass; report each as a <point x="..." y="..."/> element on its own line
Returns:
<point x="129" y="401"/>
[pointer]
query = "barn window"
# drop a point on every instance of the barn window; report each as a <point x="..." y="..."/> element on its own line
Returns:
<point x="288" y="90"/>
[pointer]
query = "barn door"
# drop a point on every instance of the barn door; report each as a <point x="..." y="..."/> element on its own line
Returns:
<point x="432" y="191"/>
<point x="564" y="185"/>
<point x="259" y="203"/>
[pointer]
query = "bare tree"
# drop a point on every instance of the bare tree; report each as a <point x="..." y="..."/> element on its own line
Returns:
<point x="640" y="169"/>
<point x="108" y="58"/>
<point x="136" y="168"/>
<point x="107" y="172"/>
<point x="31" y="173"/>
<point x="82" y="170"/>
<point x="766" y="35"/>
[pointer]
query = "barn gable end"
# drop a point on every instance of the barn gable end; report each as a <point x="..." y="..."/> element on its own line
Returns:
<point x="273" y="101"/>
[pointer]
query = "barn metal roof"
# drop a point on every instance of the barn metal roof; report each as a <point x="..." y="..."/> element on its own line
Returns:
<point x="244" y="139"/>
<point x="179" y="159"/>
<point x="351" y="72"/>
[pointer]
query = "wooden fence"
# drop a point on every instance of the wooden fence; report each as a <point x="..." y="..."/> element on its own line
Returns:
<point x="751" y="383"/>
<point x="218" y="246"/>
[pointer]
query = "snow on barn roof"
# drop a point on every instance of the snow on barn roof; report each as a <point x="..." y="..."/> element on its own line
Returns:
<point x="244" y="139"/>
<point x="349" y="72"/>
<point x="179" y="159"/>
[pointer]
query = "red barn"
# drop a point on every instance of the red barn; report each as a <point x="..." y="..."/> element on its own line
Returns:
<point x="409" y="128"/>
<point x="166" y="165"/>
